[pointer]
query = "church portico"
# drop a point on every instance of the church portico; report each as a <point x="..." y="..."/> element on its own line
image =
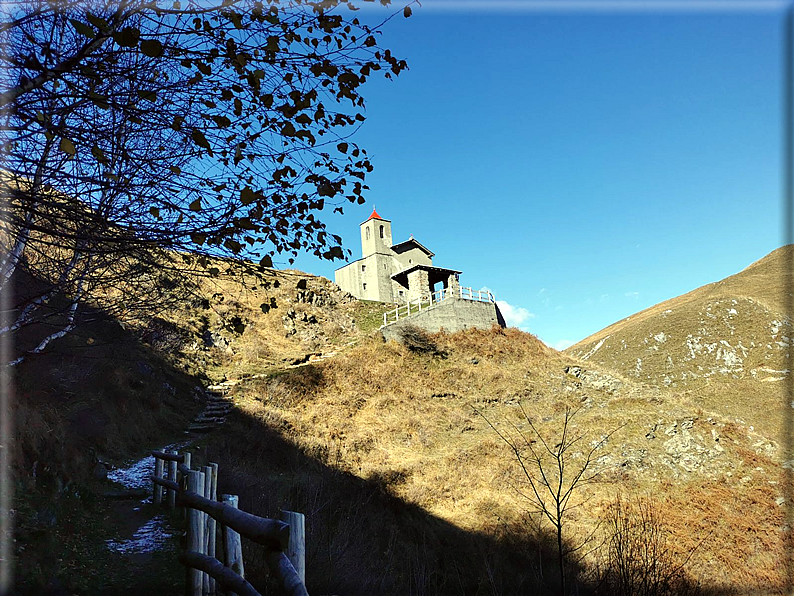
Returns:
<point x="420" y="281"/>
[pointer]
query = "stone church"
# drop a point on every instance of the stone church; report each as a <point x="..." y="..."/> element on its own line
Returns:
<point x="393" y="273"/>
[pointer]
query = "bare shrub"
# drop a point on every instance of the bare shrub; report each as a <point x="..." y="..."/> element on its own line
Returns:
<point x="556" y="472"/>
<point x="418" y="341"/>
<point x="639" y="558"/>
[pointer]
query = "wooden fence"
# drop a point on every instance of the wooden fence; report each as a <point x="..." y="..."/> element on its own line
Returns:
<point x="212" y="523"/>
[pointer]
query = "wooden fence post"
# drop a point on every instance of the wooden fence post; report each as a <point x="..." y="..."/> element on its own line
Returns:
<point x="195" y="534"/>
<point x="157" y="499"/>
<point x="211" y="523"/>
<point x="205" y="526"/>
<point x="296" y="552"/>
<point x="172" y="477"/>
<point x="232" y="544"/>
<point x="183" y="481"/>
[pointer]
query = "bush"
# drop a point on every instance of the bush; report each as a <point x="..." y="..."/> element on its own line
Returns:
<point x="638" y="557"/>
<point x="418" y="341"/>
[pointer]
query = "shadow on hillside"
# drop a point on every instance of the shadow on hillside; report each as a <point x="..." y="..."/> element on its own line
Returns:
<point x="100" y="390"/>
<point x="95" y="396"/>
<point x="361" y="539"/>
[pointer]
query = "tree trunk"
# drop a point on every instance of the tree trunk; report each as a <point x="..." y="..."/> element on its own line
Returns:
<point x="561" y="560"/>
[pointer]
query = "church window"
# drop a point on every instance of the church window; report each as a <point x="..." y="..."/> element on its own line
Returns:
<point x="363" y="268"/>
<point x="365" y="286"/>
<point x="367" y="233"/>
<point x="381" y="231"/>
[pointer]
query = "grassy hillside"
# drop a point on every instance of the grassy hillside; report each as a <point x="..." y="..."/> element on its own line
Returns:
<point x="237" y="325"/>
<point x="392" y="453"/>
<point x="115" y="389"/>
<point x="414" y="428"/>
<point x="725" y="344"/>
<point x="98" y="397"/>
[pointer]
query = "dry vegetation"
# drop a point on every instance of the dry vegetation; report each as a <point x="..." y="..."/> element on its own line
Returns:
<point x="406" y="488"/>
<point x="238" y="324"/>
<point x="726" y="344"/>
<point x="388" y="417"/>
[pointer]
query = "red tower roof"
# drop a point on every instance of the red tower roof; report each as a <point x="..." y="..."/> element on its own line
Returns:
<point x="374" y="216"/>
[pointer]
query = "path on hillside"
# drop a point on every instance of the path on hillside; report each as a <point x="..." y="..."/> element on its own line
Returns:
<point x="141" y="540"/>
<point x="215" y="411"/>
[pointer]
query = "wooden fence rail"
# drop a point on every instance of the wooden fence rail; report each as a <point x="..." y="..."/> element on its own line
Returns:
<point x="196" y="491"/>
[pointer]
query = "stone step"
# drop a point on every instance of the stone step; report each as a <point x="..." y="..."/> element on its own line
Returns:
<point x="199" y="430"/>
<point x="221" y="387"/>
<point x="202" y="419"/>
<point x="220" y="403"/>
<point x="203" y="427"/>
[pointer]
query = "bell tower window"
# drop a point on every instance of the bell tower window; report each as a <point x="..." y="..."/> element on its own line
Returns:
<point x="381" y="231"/>
<point x="367" y="233"/>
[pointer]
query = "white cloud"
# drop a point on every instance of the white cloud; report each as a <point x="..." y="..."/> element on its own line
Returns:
<point x="544" y="297"/>
<point x="634" y="295"/>
<point x="562" y="344"/>
<point x="514" y="315"/>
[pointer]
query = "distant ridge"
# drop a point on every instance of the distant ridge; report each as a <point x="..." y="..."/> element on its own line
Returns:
<point x="762" y="280"/>
<point x="726" y="341"/>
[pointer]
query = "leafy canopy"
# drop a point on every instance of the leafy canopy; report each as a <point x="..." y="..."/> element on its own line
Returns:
<point x="211" y="128"/>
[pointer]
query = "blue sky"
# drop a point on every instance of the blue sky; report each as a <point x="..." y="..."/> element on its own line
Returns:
<point x="583" y="165"/>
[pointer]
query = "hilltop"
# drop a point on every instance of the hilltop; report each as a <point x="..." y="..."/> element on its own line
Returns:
<point x="417" y="427"/>
<point x="724" y="344"/>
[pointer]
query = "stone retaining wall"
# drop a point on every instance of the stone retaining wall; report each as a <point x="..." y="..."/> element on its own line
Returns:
<point x="450" y="315"/>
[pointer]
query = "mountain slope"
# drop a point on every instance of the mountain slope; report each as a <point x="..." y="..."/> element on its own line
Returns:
<point x="725" y="344"/>
<point x="418" y="427"/>
<point x="390" y="454"/>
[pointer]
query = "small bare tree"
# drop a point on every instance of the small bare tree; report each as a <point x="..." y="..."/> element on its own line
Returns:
<point x="555" y="469"/>
<point x="639" y="556"/>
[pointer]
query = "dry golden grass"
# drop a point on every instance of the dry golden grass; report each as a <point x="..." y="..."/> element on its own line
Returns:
<point x="408" y="423"/>
<point x="391" y="455"/>
<point x="763" y="281"/>
<point x="723" y="345"/>
<point x="238" y="324"/>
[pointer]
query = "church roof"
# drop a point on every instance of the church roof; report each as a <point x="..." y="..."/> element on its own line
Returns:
<point x="434" y="274"/>
<point x="374" y="215"/>
<point x="401" y="247"/>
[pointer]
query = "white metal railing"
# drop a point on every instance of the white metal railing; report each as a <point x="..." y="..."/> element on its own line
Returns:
<point x="417" y="304"/>
<point x="478" y="296"/>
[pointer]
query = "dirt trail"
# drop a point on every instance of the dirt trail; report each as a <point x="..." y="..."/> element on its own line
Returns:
<point x="142" y="539"/>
